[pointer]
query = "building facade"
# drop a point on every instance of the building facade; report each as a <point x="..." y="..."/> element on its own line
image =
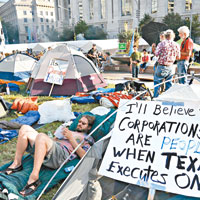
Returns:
<point x="117" y="15"/>
<point x="35" y="18"/>
<point x="62" y="13"/>
<point x="32" y="18"/>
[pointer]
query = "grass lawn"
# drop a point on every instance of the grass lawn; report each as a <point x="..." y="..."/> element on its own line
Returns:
<point x="8" y="149"/>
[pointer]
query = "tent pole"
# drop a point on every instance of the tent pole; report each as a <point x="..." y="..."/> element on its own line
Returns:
<point x="151" y="194"/>
<point x="51" y="89"/>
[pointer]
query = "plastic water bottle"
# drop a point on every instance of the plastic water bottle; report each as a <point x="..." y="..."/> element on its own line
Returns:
<point x="49" y="133"/>
<point x="7" y="90"/>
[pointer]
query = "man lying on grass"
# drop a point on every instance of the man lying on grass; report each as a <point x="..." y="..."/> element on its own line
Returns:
<point x="49" y="152"/>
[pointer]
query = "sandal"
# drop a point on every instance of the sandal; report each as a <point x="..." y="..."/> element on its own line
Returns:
<point x="12" y="170"/>
<point x="28" y="190"/>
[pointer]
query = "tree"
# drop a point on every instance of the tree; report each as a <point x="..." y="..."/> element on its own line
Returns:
<point x="53" y="35"/>
<point x="125" y="36"/>
<point x="81" y="27"/>
<point x="11" y="32"/>
<point x="145" y="20"/>
<point x="95" y="33"/>
<point x="174" y="21"/>
<point x="195" y="33"/>
<point x="67" y="34"/>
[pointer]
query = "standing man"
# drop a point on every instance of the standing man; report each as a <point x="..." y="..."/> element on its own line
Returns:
<point x="135" y="60"/>
<point x="186" y="52"/>
<point x="167" y="52"/>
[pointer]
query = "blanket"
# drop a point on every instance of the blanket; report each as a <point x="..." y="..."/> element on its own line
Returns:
<point x="15" y="182"/>
<point x="28" y="119"/>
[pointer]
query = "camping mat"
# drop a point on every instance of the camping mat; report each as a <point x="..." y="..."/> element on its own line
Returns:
<point x="16" y="181"/>
<point x="103" y="130"/>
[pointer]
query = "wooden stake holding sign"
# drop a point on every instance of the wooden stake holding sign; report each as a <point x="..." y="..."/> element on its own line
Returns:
<point x="56" y="72"/>
<point x="151" y="194"/>
<point x="51" y="89"/>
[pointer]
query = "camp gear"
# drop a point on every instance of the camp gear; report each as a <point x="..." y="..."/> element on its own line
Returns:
<point x="64" y="71"/>
<point x="17" y="67"/>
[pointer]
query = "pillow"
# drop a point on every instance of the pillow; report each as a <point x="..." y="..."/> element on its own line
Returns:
<point x="103" y="130"/>
<point x="100" y="110"/>
<point x="57" y="110"/>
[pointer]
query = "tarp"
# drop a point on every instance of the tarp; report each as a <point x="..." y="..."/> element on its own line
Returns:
<point x="181" y="92"/>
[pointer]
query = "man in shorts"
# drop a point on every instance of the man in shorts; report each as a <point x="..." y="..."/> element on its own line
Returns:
<point x="49" y="152"/>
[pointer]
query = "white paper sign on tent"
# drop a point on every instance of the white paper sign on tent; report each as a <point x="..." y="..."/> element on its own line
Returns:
<point x="56" y="71"/>
<point x="156" y="145"/>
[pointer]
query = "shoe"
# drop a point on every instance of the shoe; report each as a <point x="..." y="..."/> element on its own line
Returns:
<point x="12" y="170"/>
<point x="27" y="190"/>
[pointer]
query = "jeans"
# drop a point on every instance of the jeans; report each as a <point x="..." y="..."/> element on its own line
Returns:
<point x="135" y="70"/>
<point x="182" y="70"/>
<point x="162" y="73"/>
<point x="143" y="66"/>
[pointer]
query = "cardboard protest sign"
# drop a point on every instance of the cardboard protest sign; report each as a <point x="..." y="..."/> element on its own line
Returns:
<point x="156" y="145"/>
<point x="56" y="71"/>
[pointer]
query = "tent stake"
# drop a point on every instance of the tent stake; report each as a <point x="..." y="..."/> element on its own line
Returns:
<point x="51" y="89"/>
<point x="151" y="194"/>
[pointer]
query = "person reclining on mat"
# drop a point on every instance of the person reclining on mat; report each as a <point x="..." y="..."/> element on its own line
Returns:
<point x="49" y="152"/>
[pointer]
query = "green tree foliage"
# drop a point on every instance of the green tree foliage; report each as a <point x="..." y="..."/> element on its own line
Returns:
<point x="195" y="26"/>
<point x="95" y="33"/>
<point x="53" y="35"/>
<point x="11" y="32"/>
<point x="145" y="20"/>
<point x="81" y="27"/>
<point x="67" y="34"/>
<point x="174" y="21"/>
<point x="125" y="36"/>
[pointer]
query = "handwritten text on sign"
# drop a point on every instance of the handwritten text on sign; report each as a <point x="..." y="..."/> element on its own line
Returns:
<point x="56" y="71"/>
<point x="156" y="145"/>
